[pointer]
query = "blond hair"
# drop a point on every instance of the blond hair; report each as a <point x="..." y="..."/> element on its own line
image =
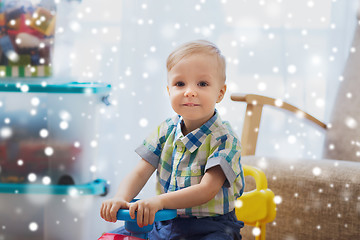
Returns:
<point x="197" y="47"/>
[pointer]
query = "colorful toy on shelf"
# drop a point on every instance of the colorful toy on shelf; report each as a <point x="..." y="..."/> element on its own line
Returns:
<point x="6" y="45"/>
<point x="27" y="38"/>
<point x="28" y="157"/>
<point x="43" y="21"/>
<point x="22" y="25"/>
<point x="2" y="19"/>
<point x="12" y="15"/>
<point x="2" y="23"/>
<point x="22" y="60"/>
<point x="2" y="152"/>
<point x="25" y="71"/>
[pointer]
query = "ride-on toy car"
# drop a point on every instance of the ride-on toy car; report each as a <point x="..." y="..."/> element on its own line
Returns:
<point x="255" y="208"/>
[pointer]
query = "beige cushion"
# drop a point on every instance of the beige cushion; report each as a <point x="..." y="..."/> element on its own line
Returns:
<point x="324" y="206"/>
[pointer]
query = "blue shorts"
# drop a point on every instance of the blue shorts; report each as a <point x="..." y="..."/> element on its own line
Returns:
<point x="208" y="228"/>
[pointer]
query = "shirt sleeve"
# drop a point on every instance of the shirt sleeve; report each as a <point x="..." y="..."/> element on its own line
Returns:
<point x="151" y="148"/>
<point x="226" y="153"/>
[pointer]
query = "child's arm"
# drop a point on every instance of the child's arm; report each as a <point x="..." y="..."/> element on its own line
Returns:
<point x="195" y="195"/>
<point x="129" y="187"/>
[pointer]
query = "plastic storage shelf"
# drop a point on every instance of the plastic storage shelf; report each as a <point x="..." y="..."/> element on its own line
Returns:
<point x="97" y="187"/>
<point x="70" y="93"/>
<point x="72" y="87"/>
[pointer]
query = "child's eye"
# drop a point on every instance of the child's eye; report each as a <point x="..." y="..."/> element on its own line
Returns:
<point x="203" y="84"/>
<point x="179" y="84"/>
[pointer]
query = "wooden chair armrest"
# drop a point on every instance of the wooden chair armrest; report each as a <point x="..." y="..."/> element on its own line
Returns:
<point x="255" y="99"/>
<point x="254" y="107"/>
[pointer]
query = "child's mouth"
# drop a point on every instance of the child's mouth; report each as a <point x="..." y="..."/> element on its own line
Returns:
<point x="191" y="105"/>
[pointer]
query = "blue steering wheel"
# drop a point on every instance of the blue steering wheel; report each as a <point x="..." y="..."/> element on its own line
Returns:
<point x="135" y="230"/>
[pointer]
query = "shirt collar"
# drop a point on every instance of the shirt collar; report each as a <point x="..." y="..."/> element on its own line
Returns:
<point x="194" y="139"/>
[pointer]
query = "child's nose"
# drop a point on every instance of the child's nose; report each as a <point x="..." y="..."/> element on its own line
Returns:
<point x="190" y="93"/>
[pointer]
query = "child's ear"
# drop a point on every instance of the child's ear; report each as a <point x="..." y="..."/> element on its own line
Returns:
<point x="221" y="94"/>
<point x="167" y="87"/>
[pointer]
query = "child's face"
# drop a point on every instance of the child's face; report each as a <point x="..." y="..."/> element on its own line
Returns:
<point x="194" y="87"/>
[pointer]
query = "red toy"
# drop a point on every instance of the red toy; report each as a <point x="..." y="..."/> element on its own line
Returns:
<point x="113" y="236"/>
<point x="23" y="28"/>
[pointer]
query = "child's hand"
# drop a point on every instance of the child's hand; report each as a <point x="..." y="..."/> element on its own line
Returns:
<point x="146" y="210"/>
<point x="110" y="207"/>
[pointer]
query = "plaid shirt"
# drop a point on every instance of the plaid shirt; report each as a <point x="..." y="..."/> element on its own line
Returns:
<point x="182" y="161"/>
